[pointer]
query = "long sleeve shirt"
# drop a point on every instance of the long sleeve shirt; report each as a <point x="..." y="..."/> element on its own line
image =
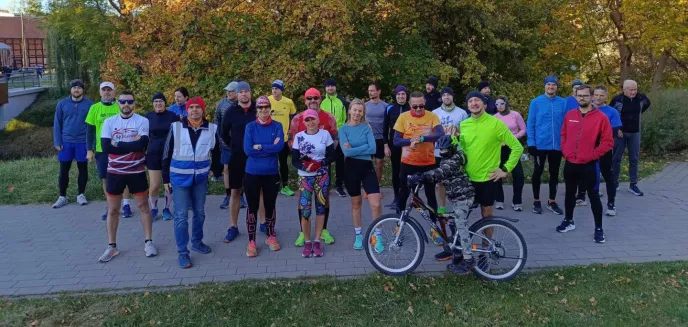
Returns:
<point x="360" y="139"/>
<point x="481" y="139"/>
<point x="69" y="124"/>
<point x="263" y="161"/>
<point x="514" y="121"/>
<point x="630" y="110"/>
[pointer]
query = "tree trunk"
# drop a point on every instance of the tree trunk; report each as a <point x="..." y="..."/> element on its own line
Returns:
<point x="658" y="75"/>
<point x="625" y="51"/>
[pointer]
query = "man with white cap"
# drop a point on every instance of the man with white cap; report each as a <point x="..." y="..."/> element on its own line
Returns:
<point x="222" y="107"/>
<point x="97" y="115"/>
<point x="283" y="110"/>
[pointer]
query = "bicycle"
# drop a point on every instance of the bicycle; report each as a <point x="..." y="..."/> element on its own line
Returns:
<point x="407" y="233"/>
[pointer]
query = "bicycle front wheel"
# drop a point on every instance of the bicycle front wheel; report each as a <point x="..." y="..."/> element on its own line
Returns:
<point x="499" y="248"/>
<point x="394" y="248"/>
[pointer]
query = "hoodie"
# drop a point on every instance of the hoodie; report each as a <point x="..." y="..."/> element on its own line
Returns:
<point x="586" y="138"/>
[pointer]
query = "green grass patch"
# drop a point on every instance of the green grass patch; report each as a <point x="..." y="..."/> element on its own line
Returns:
<point x="652" y="294"/>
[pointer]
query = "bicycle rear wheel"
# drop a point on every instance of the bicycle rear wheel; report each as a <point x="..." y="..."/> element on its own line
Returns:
<point x="499" y="248"/>
<point x="392" y="257"/>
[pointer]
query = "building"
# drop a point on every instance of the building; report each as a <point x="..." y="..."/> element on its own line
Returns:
<point x="24" y="36"/>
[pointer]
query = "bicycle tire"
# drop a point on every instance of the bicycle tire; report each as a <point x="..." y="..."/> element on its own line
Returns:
<point x="419" y="238"/>
<point x="478" y="225"/>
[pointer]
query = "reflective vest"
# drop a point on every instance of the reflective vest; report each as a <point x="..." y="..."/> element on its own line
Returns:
<point x="191" y="166"/>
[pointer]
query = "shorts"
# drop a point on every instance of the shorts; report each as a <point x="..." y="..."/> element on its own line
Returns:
<point x="101" y="164"/>
<point x="72" y="151"/>
<point x="485" y="193"/>
<point x="226" y="157"/>
<point x="379" y="149"/>
<point x="154" y="161"/>
<point x="237" y="169"/>
<point x="116" y="183"/>
<point x="359" y="172"/>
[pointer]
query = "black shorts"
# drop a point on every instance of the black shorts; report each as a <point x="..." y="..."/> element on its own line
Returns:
<point x="116" y="183"/>
<point x="359" y="171"/>
<point x="154" y="161"/>
<point x="237" y="169"/>
<point x="485" y="193"/>
<point x="101" y="164"/>
<point x="379" y="149"/>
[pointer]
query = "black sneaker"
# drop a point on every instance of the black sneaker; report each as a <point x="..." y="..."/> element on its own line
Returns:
<point x="340" y="191"/>
<point x="599" y="235"/>
<point x="566" y="226"/>
<point x="633" y="188"/>
<point x="393" y="205"/>
<point x="537" y="207"/>
<point x="554" y="207"/>
<point x="444" y="255"/>
<point x="611" y="210"/>
<point x="463" y="268"/>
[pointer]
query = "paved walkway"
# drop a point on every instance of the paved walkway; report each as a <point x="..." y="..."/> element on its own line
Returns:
<point x="45" y="250"/>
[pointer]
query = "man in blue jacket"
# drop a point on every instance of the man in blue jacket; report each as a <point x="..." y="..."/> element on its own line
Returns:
<point x="545" y="118"/>
<point x="69" y="138"/>
<point x="571" y="101"/>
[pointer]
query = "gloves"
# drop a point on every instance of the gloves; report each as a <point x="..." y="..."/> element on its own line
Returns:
<point x="533" y="151"/>
<point x="413" y="180"/>
<point x="311" y="165"/>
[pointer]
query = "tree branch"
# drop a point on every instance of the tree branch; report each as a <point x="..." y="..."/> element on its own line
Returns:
<point x="679" y="63"/>
<point x="115" y="6"/>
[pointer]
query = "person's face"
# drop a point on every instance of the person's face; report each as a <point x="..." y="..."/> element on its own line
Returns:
<point x="244" y="96"/>
<point x="195" y="112"/>
<point x="356" y="113"/>
<point x="276" y="92"/>
<point x="600" y="97"/>
<point x="373" y="92"/>
<point x="313" y="102"/>
<point x="418" y="105"/>
<point x="263" y="112"/>
<point x="331" y="89"/>
<point x="126" y="104"/>
<point x="447" y="99"/>
<point x="486" y="91"/>
<point x="107" y="94"/>
<point x="501" y="105"/>
<point x="551" y="88"/>
<point x="159" y="105"/>
<point x="179" y="98"/>
<point x="76" y="92"/>
<point x="401" y="98"/>
<point x="312" y="123"/>
<point x="630" y="91"/>
<point x="232" y="95"/>
<point x="475" y="105"/>
<point x="583" y="97"/>
<point x="429" y="87"/>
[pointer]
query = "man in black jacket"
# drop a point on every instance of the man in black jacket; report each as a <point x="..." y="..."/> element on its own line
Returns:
<point x="485" y="90"/>
<point x="391" y="114"/>
<point x="630" y="105"/>
<point x="433" y="98"/>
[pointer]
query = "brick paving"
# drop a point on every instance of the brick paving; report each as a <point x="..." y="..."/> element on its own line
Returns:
<point x="49" y="250"/>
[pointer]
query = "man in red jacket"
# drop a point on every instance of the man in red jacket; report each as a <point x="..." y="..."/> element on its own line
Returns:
<point x="586" y="135"/>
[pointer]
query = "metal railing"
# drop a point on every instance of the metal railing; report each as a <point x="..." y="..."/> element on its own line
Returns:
<point x="24" y="79"/>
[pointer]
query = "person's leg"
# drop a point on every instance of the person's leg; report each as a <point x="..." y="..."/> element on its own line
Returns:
<point x="554" y="159"/>
<point x="429" y="189"/>
<point x="83" y="176"/>
<point x="633" y="156"/>
<point x="608" y="175"/>
<point x="404" y="171"/>
<point x="460" y="215"/>
<point x="441" y="195"/>
<point x="321" y="190"/>
<point x="197" y="197"/>
<point x="372" y="187"/>
<point x="581" y="190"/>
<point x="379" y="169"/>
<point x="499" y="188"/>
<point x="571" y="182"/>
<point x="519" y="181"/>
<point x="155" y="177"/>
<point x="305" y="204"/>
<point x="396" y="170"/>
<point x="252" y="187"/>
<point x="225" y="176"/>
<point x="182" y="197"/>
<point x="283" y="166"/>
<point x="269" y="192"/>
<point x="588" y="174"/>
<point x="618" y="152"/>
<point x="114" y="202"/>
<point x="237" y="171"/>
<point x="340" y="167"/>
<point x="538" y="169"/>
<point x="216" y="166"/>
<point x="138" y="185"/>
<point x="353" y="187"/>
<point x="63" y="177"/>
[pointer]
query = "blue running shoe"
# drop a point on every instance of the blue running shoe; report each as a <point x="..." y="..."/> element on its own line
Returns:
<point x="104" y="216"/>
<point x="242" y="202"/>
<point x="126" y="211"/>
<point x="154" y="214"/>
<point x="184" y="261"/>
<point x="201" y="248"/>
<point x="166" y="214"/>
<point x="232" y="233"/>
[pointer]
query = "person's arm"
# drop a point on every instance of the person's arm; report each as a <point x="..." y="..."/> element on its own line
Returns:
<point x="90" y="137"/>
<point x="167" y="156"/>
<point x="275" y="148"/>
<point x="645" y="104"/>
<point x="437" y="133"/>
<point x="352" y="151"/>
<point x="512" y="142"/>
<point x="226" y="128"/>
<point x="57" y="126"/>
<point x="564" y="136"/>
<point x="296" y="159"/>
<point x="385" y="126"/>
<point x="606" y="140"/>
<point x="530" y="126"/>
<point x="106" y="144"/>
<point x="399" y="139"/>
<point x="439" y="174"/>
<point x="329" y="155"/>
<point x="293" y="129"/>
<point x="521" y="125"/>
<point x="133" y="146"/>
<point x="248" y="142"/>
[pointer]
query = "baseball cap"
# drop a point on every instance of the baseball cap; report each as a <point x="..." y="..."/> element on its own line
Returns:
<point x="107" y="84"/>
<point x="310" y="113"/>
<point x="231" y="86"/>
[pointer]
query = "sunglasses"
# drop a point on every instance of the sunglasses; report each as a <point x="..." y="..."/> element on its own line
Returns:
<point x="262" y="107"/>
<point x="126" y="101"/>
<point x="499" y="104"/>
<point x="418" y="106"/>
<point x="159" y="101"/>
<point x="312" y="98"/>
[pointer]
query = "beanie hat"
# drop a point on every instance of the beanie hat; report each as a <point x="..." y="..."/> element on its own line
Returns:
<point x="159" y="96"/>
<point x="278" y="83"/>
<point x="476" y="94"/>
<point x="447" y="90"/>
<point x="577" y="82"/>
<point x="433" y="80"/>
<point x="76" y="83"/>
<point x="196" y="100"/>
<point x="232" y="86"/>
<point x="312" y="92"/>
<point x="483" y="85"/>
<point x="330" y="82"/>
<point x="243" y="86"/>
<point x="400" y="88"/>
<point x="551" y="79"/>
<point x="262" y="101"/>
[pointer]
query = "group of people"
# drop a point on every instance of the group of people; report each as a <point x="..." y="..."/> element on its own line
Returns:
<point x="428" y="138"/>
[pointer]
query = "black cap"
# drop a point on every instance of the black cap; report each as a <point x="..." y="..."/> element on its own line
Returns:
<point x="330" y="82"/>
<point x="483" y="85"/>
<point x="76" y="83"/>
<point x="433" y="80"/>
<point x="447" y="90"/>
<point x="159" y="95"/>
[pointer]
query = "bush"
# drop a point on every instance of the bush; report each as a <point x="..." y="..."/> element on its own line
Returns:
<point x="30" y="134"/>
<point x="665" y="123"/>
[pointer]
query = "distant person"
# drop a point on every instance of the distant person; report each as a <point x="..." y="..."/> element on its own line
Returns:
<point x="486" y="91"/>
<point x="571" y="101"/>
<point x="433" y="98"/>
<point x="514" y="121"/>
<point x="375" y="116"/>
<point x="181" y="95"/>
<point x="226" y="151"/>
<point x="338" y="107"/>
<point x="283" y="110"/>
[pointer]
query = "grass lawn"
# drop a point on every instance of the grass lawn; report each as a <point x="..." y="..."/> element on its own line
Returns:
<point x="652" y="294"/>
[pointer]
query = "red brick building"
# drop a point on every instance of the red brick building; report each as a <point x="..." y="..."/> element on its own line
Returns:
<point x="33" y="39"/>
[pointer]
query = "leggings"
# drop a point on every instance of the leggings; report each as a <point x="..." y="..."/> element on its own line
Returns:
<point x="405" y="192"/>
<point x="604" y="167"/>
<point x="253" y="186"/>
<point x="309" y="187"/>
<point x="63" y="176"/>
<point x="396" y="169"/>
<point x="517" y="175"/>
<point x="586" y="173"/>
<point x="283" y="166"/>
<point x="554" y="158"/>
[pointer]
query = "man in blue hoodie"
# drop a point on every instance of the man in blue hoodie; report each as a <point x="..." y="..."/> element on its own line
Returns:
<point x="69" y="138"/>
<point x="545" y="118"/>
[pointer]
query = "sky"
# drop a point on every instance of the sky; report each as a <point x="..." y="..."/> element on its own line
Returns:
<point x="6" y="4"/>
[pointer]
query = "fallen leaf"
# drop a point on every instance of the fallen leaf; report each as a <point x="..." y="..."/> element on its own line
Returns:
<point x="436" y="302"/>
<point x="146" y="294"/>
<point x="10" y="188"/>
<point x="126" y="310"/>
<point x="448" y="308"/>
<point x="673" y="282"/>
<point x="593" y="301"/>
<point x="564" y="301"/>
<point x="152" y="322"/>
<point x="34" y="323"/>
<point x="573" y="283"/>
<point x="388" y="288"/>
<point x="632" y="310"/>
<point x="410" y="310"/>
<point x="413" y="287"/>
<point x="560" y="277"/>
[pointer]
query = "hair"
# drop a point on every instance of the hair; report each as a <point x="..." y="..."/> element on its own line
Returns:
<point x="376" y="84"/>
<point x="583" y="87"/>
<point x="417" y="94"/>
<point x="357" y="102"/>
<point x="629" y="82"/>
<point x="601" y="87"/>
<point x="506" y="101"/>
<point x="127" y="92"/>
<point x="183" y="91"/>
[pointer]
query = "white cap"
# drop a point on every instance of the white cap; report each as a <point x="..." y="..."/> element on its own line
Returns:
<point x="109" y="84"/>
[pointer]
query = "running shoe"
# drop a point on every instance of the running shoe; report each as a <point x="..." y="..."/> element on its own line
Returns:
<point x="200" y="247"/>
<point x="166" y="214"/>
<point x="272" y="243"/>
<point x="611" y="210"/>
<point x="358" y="243"/>
<point x="109" y="253"/>
<point x="599" y="236"/>
<point x="184" y="261"/>
<point x="441" y="210"/>
<point x="462" y="268"/>
<point x="325" y="235"/>
<point x="307" y="250"/>
<point x="61" y="202"/>
<point x="633" y="188"/>
<point x="287" y="191"/>
<point x="581" y="203"/>
<point x="232" y="233"/>
<point x="517" y="207"/>
<point x="537" y="207"/>
<point x="554" y="207"/>
<point x="262" y="228"/>
<point x="242" y="202"/>
<point x="444" y="255"/>
<point x="150" y="249"/>
<point x="317" y="251"/>
<point x="618" y="186"/>
<point x="340" y="191"/>
<point x="81" y="199"/>
<point x="126" y="211"/>
<point x="379" y="243"/>
<point x="300" y="240"/>
<point x="251" y="250"/>
<point x="104" y="216"/>
<point x="499" y="205"/>
<point x="154" y="214"/>
<point x="393" y="205"/>
<point x="436" y="238"/>
<point x="566" y="226"/>
<point x="225" y="203"/>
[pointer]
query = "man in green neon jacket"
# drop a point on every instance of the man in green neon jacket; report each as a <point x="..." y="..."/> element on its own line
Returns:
<point x="338" y="107"/>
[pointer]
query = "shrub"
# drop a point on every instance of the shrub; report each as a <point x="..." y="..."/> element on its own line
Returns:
<point x="30" y="133"/>
<point x="665" y="123"/>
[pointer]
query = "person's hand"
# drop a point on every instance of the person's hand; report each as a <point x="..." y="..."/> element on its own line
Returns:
<point x="413" y="180"/>
<point x="347" y="145"/>
<point x="388" y="152"/>
<point x="257" y="146"/>
<point x="619" y="133"/>
<point x="58" y="148"/>
<point x="497" y="174"/>
<point x="533" y="151"/>
<point x="138" y="137"/>
<point x="114" y="143"/>
<point x="414" y="144"/>
<point x="277" y="140"/>
<point x="90" y="156"/>
<point x="168" y="187"/>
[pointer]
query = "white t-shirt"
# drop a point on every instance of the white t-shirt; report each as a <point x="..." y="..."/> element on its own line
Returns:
<point x="450" y="121"/>
<point x="314" y="146"/>
<point x="125" y="130"/>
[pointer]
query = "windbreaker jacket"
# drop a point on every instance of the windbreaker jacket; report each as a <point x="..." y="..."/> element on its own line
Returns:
<point x="545" y="117"/>
<point x="586" y="139"/>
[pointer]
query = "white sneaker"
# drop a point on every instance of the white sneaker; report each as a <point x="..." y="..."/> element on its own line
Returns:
<point x="581" y="203"/>
<point x="81" y="199"/>
<point x="109" y="253"/>
<point x="499" y="205"/>
<point x="150" y="249"/>
<point x="61" y="202"/>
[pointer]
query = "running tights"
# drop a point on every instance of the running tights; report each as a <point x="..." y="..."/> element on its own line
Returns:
<point x="588" y="174"/>
<point x="253" y="186"/>
<point x="63" y="176"/>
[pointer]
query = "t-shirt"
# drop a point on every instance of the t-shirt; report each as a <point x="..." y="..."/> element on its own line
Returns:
<point x="375" y="116"/>
<point x="159" y="125"/>
<point x="97" y="115"/>
<point x="314" y="146"/>
<point x="281" y="110"/>
<point x="612" y="115"/>
<point x="410" y="127"/>
<point x="125" y="130"/>
<point x="450" y="121"/>
<point x="327" y="122"/>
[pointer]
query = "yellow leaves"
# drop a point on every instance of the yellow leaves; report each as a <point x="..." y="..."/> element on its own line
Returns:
<point x="593" y="301"/>
<point x="672" y="282"/>
<point x="622" y="280"/>
<point x="125" y="310"/>
<point x="146" y="293"/>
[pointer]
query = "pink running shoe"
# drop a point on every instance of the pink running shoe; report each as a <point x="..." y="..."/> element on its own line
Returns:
<point x="307" y="250"/>
<point x="317" y="251"/>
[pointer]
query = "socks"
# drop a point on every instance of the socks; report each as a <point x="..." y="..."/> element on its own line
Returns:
<point x="125" y="202"/>
<point x="146" y="241"/>
<point x="153" y="201"/>
<point x="357" y="230"/>
<point x="317" y="240"/>
<point x="114" y="245"/>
